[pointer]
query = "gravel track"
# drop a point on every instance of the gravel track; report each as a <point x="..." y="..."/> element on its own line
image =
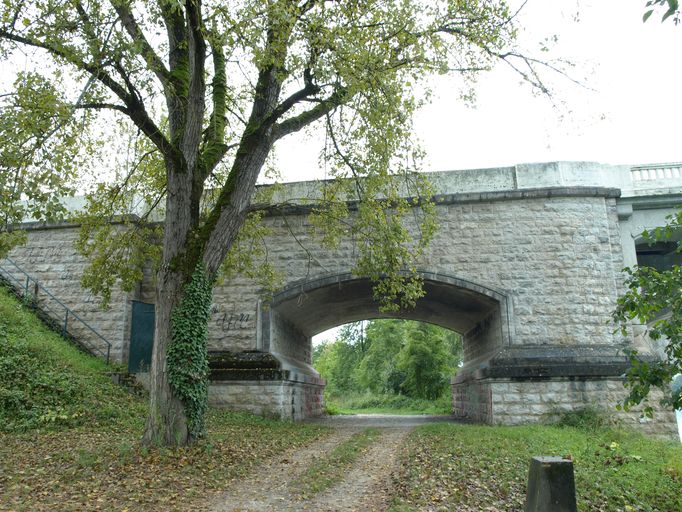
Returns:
<point x="367" y="485"/>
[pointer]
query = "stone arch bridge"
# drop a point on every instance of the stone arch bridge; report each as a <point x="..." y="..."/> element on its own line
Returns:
<point x="526" y="265"/>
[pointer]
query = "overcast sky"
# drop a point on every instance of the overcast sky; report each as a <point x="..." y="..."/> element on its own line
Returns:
<point x="628" y="111"/>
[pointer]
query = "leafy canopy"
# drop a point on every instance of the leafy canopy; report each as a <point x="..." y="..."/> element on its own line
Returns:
<point x="654" y="299"/>
<point x="390" y="357"/>
<point x="204" y="92"/>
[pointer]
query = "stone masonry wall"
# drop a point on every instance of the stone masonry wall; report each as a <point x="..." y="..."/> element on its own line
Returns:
<point x="472" y="401"/>
<point x="483" y="340"/>
<point x="50" y="258"/>
<point x="516" y="402"/>
<point x="281" y="399"/>
<point x="286" y="340"/>
<point x="557" y="258"/>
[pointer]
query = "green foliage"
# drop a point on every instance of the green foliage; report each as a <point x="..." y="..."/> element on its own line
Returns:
<point x="653" y="298"/>
<point x="336" y="362"/>
<point x="120" y="234"/>
<point x="672" y="8"/>
<point x="46" y="383"/>
<point x="377" y="370"/>
<point x="187" y="358"/>
<point x="426" y="362"/>
<point x="389" y="358"/>
<point x="39" y="154"/>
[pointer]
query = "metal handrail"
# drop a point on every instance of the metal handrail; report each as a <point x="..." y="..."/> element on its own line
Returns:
<point x="69" y="314"/>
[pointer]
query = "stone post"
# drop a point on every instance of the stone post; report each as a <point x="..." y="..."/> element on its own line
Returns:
<point x="551" y="485"/>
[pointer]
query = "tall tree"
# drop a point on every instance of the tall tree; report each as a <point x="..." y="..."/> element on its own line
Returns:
<point x="377" y="370"/>
<point x="427" y="360"/>
<point x="211" y="87"/>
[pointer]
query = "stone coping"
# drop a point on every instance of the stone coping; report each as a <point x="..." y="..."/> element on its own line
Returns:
<point x="237" y="376"/>
<point x="468" y="197"/>
<point x="438" y="199"/>
<point x="259" y="366"/>
<point x="544" y="362"/>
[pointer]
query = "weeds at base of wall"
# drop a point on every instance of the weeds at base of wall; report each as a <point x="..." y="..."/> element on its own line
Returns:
<point x="584" y="418"/>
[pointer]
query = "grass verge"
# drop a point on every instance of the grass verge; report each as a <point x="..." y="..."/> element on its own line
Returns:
<point x="472" y="468"/>
<point x="47" y="383"/>
<point x="326" y="472"/>
<point x="368" y="403"/>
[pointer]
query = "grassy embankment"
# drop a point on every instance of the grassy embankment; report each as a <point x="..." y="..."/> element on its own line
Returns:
<point x="69" y="437"/>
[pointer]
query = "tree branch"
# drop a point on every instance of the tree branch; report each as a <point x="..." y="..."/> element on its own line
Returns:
<point x="101" y="106"/>
<point x="214" y="146"/>
<point x="197" y="89"/>
<point x="135" y="107"/>
<point x="177" y="37"/>
<point x="296" y="123"/>
<point x="94" y="69"/>
<point x="308" y="90"/>
<point x="154" y="62"/>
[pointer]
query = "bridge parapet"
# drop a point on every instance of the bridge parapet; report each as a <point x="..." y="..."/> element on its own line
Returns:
<point x="632" y="180"/>
<point x="657" y="172"/>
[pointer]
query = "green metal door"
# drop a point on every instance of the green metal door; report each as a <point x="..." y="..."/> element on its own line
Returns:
<point x="141" y="337"/>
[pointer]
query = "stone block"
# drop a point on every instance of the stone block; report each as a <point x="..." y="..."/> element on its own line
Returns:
<point x="551" y="485"/>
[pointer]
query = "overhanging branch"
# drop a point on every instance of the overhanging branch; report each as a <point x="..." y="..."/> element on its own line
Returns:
<point x="296" y="123"/>
<point x="145" y="49"/>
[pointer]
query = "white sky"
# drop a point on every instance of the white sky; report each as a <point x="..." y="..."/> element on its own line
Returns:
<point x="629" y="114"/>
<point x="629" y="111"/>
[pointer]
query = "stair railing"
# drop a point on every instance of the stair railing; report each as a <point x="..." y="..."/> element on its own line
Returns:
<point x="29" y="288"/>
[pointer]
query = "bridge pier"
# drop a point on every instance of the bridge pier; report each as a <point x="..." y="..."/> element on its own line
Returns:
<point x="265" y="384"/>
<point x="516" y="391"/>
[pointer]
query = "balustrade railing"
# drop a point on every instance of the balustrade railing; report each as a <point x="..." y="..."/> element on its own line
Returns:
<point x="656" y="172"/>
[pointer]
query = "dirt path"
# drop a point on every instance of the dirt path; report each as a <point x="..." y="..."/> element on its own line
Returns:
<point x="367" y="485"/>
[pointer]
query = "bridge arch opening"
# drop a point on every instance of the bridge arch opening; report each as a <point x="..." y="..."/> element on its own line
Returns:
<point x="388" y="364"/>
<point x="286" y="327"/>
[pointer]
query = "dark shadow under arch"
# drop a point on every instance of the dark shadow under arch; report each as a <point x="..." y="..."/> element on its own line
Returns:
<point x="307" y="307"/>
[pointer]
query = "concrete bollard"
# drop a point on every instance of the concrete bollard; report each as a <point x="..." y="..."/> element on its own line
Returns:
<point x="551" y="485"/>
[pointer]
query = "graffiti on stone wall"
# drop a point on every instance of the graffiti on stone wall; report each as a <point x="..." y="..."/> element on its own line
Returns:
<point x="233" y="321"/>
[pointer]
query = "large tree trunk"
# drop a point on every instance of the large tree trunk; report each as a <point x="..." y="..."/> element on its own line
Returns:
<point x="167" y="422"/>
